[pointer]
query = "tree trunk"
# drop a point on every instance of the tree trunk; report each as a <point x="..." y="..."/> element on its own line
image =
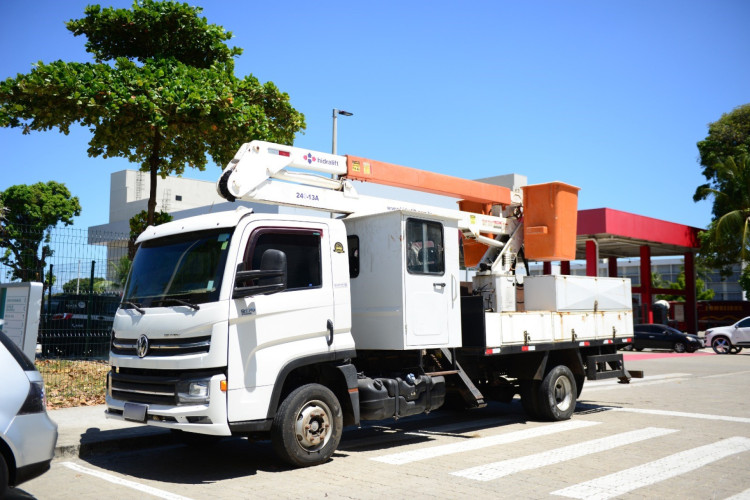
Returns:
<point x="153" y="166"/>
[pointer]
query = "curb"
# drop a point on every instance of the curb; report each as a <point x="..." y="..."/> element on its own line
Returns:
<point x="97" y="442"/>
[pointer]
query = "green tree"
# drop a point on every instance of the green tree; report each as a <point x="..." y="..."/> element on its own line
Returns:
<point x="701" y="292"/>
<point x="745" y="280"/>
<point x="122" y="268"/>
<point x="31" y="212"/>
<point x="727" y="239"/>
<point x="138" y="224"/>
<point x="161" y="92"/>
<point x="82" y="285"/>
<point x="725" y="158"/>
<point x="727" y="136"/>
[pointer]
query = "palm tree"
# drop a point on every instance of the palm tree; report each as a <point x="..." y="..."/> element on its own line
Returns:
<point x="727" y="240"/>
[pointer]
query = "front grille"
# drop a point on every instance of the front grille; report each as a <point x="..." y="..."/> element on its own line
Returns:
<point x="163" y="347"/>
<point x="152" y="386"/>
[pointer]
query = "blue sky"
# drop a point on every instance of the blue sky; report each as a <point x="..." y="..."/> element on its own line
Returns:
<point x="610" y="96"/>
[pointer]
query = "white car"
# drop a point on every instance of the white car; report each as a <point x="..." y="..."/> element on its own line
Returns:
<point x="729" y="339"/>
<point x="27" y="434"/>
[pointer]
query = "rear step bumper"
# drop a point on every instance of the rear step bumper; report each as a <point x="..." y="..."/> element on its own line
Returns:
<point x="604" y="366"/>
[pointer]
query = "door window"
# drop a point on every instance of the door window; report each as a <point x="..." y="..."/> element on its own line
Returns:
<point x="302" y="249"/>
<point x="425" y="253"/>
<point x="352" y="242"/>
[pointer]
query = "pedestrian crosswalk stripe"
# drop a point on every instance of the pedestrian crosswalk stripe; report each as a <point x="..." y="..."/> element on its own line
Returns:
<point x="589" y="388"/>
<point x="742" y="495"/>
<point x="503" y="468"/>
<point x="479" y="443"/>
<point x="650" y="473"/>
<point x="668" y="413"/>
<point x="648" y="378"/>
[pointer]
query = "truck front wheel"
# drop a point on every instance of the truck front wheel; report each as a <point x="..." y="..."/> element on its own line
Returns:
<point x="307" y="426"/>
<point x="557" y="394"/>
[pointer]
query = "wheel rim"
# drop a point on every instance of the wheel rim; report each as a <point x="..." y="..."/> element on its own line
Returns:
<point x="722" y="346"/>
<point x="313" y="425"/>
<point x="679" y="347"/>
<point x="563" y="393"/>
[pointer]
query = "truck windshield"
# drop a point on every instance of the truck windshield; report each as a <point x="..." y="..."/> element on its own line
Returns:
<point x="188" y="267"/>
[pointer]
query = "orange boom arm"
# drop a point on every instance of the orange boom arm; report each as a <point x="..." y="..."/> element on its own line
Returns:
<point x="362" y="169"/>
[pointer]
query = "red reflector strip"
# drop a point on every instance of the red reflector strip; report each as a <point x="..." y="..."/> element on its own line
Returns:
<point x="607" y="341"/>
<point x="628" y="340"/>
<point x="525" y="348"/>
<point x="492" y="350"/>
<point x="279" y="152"/>
<point x="584" y="344"/>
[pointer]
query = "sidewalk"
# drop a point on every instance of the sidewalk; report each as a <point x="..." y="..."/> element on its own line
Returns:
<point x="85" y="430"/>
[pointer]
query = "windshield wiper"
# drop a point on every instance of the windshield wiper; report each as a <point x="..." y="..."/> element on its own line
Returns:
<point x="195" y="307"/>
<point x="134" y="306"/>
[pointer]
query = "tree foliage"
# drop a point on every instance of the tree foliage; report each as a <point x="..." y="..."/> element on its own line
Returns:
<point x="161" y="92"/>
<point x="138" y="224"/>
<point x="82" y="285"/>
<point x="725" y="157"/>
<point x="726" y="242"/>
<point x="727" y="136"/>
<point x="31" y="212"/>
<point x="701" y="292"/>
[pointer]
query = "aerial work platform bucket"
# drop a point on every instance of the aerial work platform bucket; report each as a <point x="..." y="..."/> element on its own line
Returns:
<point x="550" y="217"/>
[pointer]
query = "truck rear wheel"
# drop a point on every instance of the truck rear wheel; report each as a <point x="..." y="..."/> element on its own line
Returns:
<point x="557" y="394"/>
<point x="307" y="427"/>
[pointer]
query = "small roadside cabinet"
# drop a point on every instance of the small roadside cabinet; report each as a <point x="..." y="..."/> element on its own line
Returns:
<point x="406" y="292"/>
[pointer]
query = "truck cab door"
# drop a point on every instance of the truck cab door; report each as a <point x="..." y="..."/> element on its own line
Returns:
<point x="428" y="285"/>
<point x="271" y="332"/>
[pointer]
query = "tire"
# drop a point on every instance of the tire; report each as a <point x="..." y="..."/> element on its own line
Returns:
<point x="530" y="398"/>
<point x="307" y="427"/>
<point x="736" y="350"/>
<point x="4" y="476"/>
<point x="639" y="349"/>
<point x="721" y="345"/>
<point x="557" y="394"/>
<point x="679" y="347"/>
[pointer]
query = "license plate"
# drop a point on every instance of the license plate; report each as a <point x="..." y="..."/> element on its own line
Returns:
<point x="135" y="412"/>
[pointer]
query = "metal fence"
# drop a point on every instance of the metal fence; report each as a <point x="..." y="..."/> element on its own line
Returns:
<point x="82" y="272"/>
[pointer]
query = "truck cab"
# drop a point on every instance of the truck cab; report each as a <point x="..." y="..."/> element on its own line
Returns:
<point x="201" y="342"/>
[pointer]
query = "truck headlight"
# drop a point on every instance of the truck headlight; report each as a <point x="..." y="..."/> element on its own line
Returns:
<point x="194" y="391"/>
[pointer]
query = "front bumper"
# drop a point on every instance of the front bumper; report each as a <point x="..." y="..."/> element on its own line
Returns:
<point x="205" y="418"/>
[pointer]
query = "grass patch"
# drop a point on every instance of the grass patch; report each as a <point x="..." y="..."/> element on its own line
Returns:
<point x="72" y="382"/>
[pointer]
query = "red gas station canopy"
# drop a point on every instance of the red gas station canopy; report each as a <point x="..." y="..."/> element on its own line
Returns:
<point x="622" y="234"/>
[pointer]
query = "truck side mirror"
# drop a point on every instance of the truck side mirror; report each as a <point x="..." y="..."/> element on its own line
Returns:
<point x="270" y="278"/>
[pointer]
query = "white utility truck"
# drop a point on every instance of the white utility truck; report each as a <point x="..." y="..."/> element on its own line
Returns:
<point x="239" y="323"/>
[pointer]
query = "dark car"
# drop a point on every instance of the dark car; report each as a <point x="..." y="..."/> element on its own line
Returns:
<point x="656" y="336"/>
<point x="77" y="325"/>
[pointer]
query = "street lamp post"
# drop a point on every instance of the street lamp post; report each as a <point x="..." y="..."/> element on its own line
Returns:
<point x="336" y="113"/>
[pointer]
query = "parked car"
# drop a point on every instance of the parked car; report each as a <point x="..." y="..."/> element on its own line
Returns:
<point x="729" y="339"/>
<point x="77" y="325"/>
<point x="656" y="336"/>
<point x="27" y="434"/>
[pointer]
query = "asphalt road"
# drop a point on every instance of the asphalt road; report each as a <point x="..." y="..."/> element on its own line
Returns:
<point x="683" y="432"/>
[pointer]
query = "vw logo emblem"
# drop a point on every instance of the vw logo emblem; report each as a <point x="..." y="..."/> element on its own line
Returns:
<point x="141" y="346"/>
